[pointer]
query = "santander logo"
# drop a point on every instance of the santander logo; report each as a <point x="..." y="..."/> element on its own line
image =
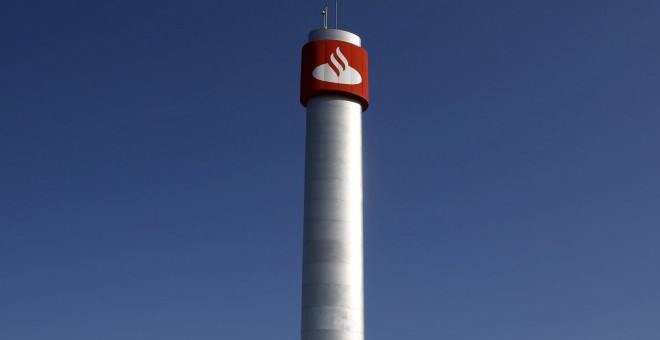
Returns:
<point x="334" y="67"/>
<point x="337" y="71"/>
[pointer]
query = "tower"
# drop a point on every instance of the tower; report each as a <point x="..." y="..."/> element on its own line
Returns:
<point x="334" y="89"/>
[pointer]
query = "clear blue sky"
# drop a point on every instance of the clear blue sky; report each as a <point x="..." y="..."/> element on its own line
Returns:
<point x="151" y="169"/>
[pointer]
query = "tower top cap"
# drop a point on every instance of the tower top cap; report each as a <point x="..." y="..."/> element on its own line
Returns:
<point x="335" y="34"/>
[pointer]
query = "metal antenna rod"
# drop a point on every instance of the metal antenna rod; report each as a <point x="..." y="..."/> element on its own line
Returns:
<point x="325" y="16"/>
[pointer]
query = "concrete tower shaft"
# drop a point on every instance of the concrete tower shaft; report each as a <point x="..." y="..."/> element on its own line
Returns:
<point x="333" y="282"/>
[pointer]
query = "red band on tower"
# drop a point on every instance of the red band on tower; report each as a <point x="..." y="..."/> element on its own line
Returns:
<point x="336" y="68"/>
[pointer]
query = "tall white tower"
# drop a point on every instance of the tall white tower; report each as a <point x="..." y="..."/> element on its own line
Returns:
<point x="334" y="88"/>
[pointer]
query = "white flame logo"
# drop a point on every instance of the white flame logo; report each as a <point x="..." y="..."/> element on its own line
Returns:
<point x="338" y="72"/>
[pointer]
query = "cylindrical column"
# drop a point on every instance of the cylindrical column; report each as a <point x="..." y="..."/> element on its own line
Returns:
<point x="334" y="89"/>
<point x="332" y="302"/>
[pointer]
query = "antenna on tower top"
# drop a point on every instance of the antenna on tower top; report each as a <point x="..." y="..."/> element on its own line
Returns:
<point x="324" y="12"/>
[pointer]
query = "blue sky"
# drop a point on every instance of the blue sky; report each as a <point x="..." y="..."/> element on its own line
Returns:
<point x="152" y="167"/>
